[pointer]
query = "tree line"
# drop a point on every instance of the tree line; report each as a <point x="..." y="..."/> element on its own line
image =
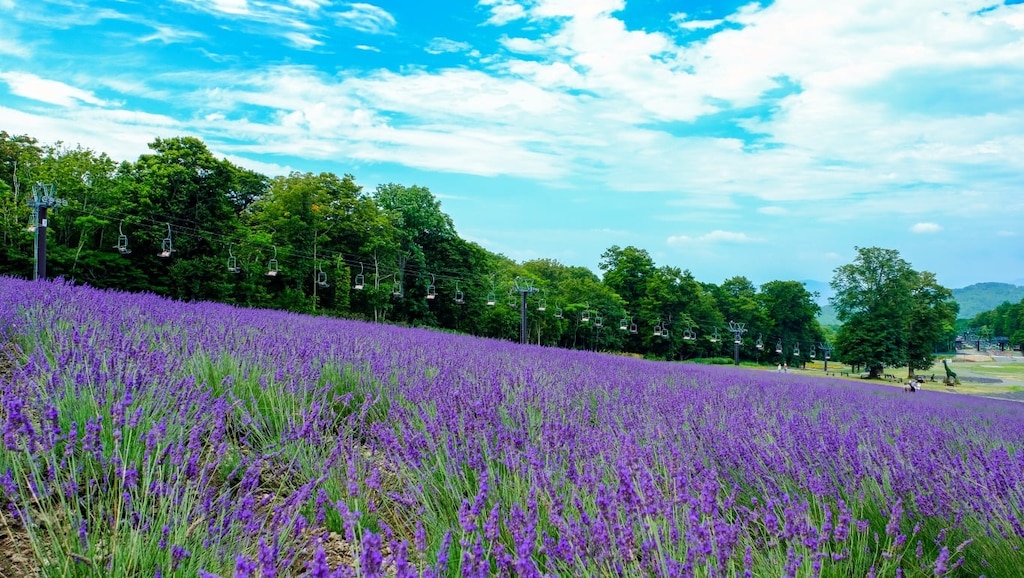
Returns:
<point x="322" y="236"/>
<point x="1006" y="321"/>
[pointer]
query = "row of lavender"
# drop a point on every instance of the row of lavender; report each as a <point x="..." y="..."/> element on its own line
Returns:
<point x="144" y="436"/>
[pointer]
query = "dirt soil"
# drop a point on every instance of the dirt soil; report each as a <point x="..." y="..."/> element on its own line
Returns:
<point x="17" y="560"/>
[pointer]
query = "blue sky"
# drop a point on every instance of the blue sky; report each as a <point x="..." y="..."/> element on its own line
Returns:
<point x="727" y="138"/>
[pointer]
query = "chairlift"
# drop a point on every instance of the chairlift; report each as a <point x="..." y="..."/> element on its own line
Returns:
<point x="598" y="322"/>
<point x="624" y="324"/>
<point x="360" y="280"/>
<point x="321" y="277"/>
<point x="664" y="333"/>
<point x="431" y="289"/>
<point x="813" y="351"/>
<point x="232" y="262"/>
<point x="715" y="338"/>
<point x="396" y="288"/>
<point x="633" y="328"/>
<point x="33" y="221"/>
<point x="585" y="315"/>
<point x="558" y="312"/>
<point x="512" y="301"/>
<point x="122" y="240"/>
<point x="542" y="305"/>
<point x="689" y="334"/>
<point x="272" y="265"/>
<point x="778" y="346"/>
<point x="657" y="329"/>
<point x="459" y="297"/>
<point x="760" y="343"/>
<point x="167" y="247"/>
<point x="796" y="350"/>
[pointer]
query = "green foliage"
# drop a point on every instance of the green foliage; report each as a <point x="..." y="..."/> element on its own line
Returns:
<point x="892" y="314"/>
<point x="396" y="236"/>
<point x="982" y="297"/>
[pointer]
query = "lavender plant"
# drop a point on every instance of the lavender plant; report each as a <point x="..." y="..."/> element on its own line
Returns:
<point x="146" y="436"/>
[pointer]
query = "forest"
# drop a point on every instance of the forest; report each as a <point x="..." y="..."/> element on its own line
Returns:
<point x="182" y="223"/>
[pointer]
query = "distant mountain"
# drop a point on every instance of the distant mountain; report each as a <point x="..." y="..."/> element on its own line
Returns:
<point x="980" y="297"/>
<point x="973" y="300"/>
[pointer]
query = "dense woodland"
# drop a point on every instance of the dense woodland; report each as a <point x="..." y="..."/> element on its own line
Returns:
<point x="323" y="233"/>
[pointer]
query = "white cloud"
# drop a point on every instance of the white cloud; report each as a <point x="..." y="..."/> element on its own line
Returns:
<point x="772" y="210"/>
<point x="925" y="228"/>
<point x="714" y="237"/>
<point x="170" y="35"/>
<point x="367" y="48"/>
<point x="232" y="7"/>
<point x="503" y="11"/>
<point x="683" y="21"/>
<point x="439" y="45"/>
<point x="366" y="18"/>
<point x="302" y="41"/>
<point x="524" y="45"/>
<point x="29" y="85"/>
<point x="1006" y="234"/>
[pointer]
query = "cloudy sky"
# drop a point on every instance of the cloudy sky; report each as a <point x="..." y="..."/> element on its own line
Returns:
<point x="728" y="138"/>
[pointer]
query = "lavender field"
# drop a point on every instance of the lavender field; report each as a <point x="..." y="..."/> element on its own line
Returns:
<point x="147" y="437"/>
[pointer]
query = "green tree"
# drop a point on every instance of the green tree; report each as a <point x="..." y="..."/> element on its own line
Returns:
<point x="931" y="319"/>
<point x="20" y="156"/>
<point x="793" y="314"/>
<point x="738" y="301"/>
<point x="874" y="301"/>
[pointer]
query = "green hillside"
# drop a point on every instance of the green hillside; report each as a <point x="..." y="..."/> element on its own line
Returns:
<point x="973" y="299"/>
<point x="980" y="297"/>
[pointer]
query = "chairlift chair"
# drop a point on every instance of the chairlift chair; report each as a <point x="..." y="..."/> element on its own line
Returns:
<point x="360" y="280"/>
<point x="689" y="334"/>
<point x="272" y="269"/>
<point x="657" y="329"/>
<point x="431" y="290"/>
<point x="33" y="222"/>
<point x="232" y="262"/>
<point x="491" y="298"/>
<point x="167" y="247"/>
<point x="512" y="301"/>
<point x="624" y="324"/>
<point x="714" y="336"/>
<point x="542" y="305"/>
<point x="760" y="343"/>
<point x="796" y="350"/>
<point x="585" y="315"/>
<point x="122" y="240"/>
<point x="459" y="297"/>
<point x="396" y="289"/>
<point x="558" y="312"/>
<point x="813" y="352"/>
<point x="633" y="328"/>
<point x="778" y="346"/>
<point x="321" y="277"/>
<point x="664" y="333"/>
<point x="598" y="322"/>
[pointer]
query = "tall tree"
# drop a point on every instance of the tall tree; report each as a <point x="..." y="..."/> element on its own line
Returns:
<point x="793" y="314"/>
<point x="874" y="301"/>
<point x="932" y="318"/>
